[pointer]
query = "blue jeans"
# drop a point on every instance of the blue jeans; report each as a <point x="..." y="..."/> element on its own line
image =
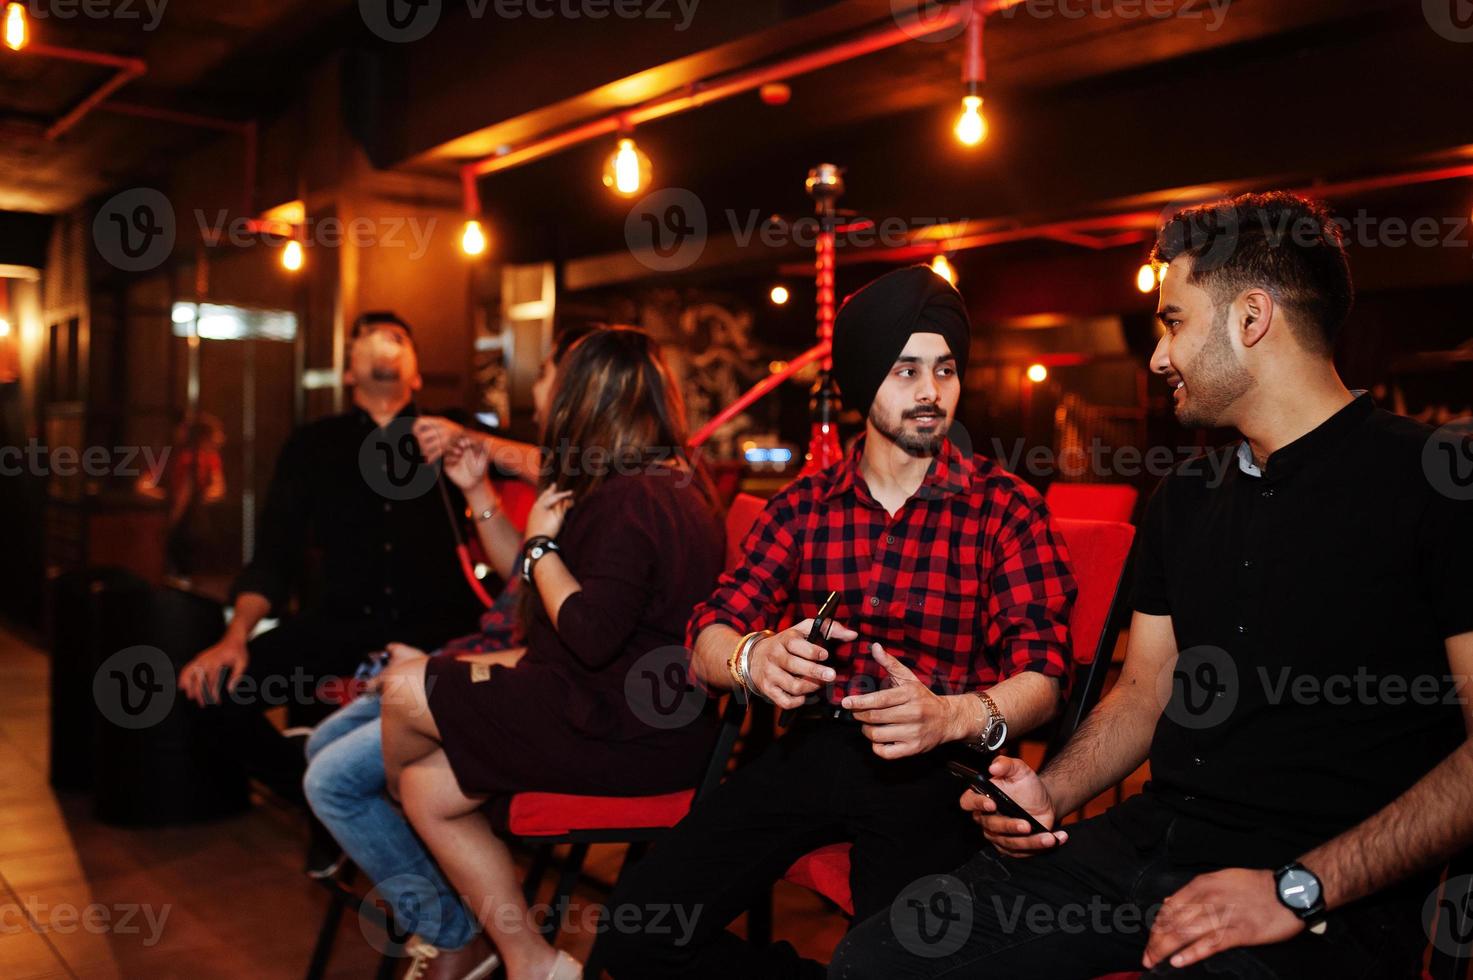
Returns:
<point x="345" y="784"/>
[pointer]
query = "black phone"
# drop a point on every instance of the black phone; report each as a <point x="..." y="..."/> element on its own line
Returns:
<point x="818" y="634"/>
<point x="823" y="620"/>
<point x="1006" y="805"/>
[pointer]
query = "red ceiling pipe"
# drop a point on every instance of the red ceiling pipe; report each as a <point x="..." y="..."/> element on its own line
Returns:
<point x="127" y="70"/>
<point x="706" y="91"/>
<point x="757" y="391"/>
<point x="1132" y="226"/>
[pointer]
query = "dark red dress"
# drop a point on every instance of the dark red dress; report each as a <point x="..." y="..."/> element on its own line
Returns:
<point x="574" y="716"/>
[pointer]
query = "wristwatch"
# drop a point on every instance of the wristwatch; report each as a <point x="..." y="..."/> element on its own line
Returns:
<point x="534" y="549"/>
<point x="1299" y="891"/>
<point x="995" y="731"/>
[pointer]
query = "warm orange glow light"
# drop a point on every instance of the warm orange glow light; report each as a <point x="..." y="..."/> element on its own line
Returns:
<point x="473" y="239"/>
<point x="1145" y="278"/>
<point x="779" y="295"/>
<point x="17" y="30"/>
<point x="627" y="170"/>
<point x="4" y="328"/>
<point x="943" y="268"/>
<point x="971" y="125"/>
<point x="1037" y="373"/>
<point x="293" y="256"/>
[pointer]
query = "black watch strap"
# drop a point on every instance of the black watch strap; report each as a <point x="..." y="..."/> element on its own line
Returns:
<point x="1313" y="914"/>
<point x="536" y="548"/>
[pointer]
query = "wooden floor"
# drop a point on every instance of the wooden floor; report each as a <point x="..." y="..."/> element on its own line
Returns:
<point x="82" y="899"/>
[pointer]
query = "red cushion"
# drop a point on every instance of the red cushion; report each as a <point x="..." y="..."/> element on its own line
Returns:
<point x="1092" y="501"/>
<point x="825" y="871"/>
<point x="1097" y="551"/>
<point x="517" y="499"/>
<point x="740" y="517"/>
<point x="554" y="814"/>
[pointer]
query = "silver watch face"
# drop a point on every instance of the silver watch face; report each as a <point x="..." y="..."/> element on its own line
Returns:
<point x="1299" y="889"/>
<point x="996" y="734"/>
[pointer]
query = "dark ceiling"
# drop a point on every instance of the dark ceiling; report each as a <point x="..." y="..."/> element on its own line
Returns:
<point x="225" y="59"/>
<point x="1083" y="109"/>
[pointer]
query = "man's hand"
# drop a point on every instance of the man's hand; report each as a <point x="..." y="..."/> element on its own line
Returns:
<point x="906" y="718"/>
<point x="399" y="653"/>
<point x="1219" y="911"/>
<point x="1012" y="835"/>
<point x="200" y="676"/>
<point x="436" y="435"/>
<point x="785" y="668"/>
<point x="547" y="513"/>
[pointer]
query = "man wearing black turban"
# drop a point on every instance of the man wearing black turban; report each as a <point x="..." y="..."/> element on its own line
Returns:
<point x="952" y="599"/>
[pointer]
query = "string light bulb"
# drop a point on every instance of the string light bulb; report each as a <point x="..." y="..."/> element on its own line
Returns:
<point x="473" y="238"/>
<point x="293" y="256"/>
<point x="943" y="268"/>
<point x="627" y="170"/>
<point x="778" y="295"/>
<point x="1037" y="373"/>
<point x="17" y="28"/>
<point x="1145" y="278"/>
<point x="971" y="125"/>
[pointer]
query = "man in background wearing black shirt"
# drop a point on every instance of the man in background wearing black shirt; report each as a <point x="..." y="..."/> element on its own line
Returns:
<point x="354" y="487"/>
<point x="1303" y="627"/>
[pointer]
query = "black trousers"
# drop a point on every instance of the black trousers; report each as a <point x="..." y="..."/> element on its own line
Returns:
<point x="287" y="665"/>
<point x="1086" y="909"/>
<point x="820" y="783"/>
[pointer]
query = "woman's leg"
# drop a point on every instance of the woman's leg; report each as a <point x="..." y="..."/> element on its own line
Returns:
<point x="410" y="733"/>
<point x="345" y="786"/>
<point x="477" y="861"/>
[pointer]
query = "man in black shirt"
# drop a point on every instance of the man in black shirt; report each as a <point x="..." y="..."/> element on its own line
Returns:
<point x="354" y="487"/>
<point x="1303" y="627"/>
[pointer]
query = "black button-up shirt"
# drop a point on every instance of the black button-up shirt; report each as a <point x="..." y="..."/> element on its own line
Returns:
<point x="1310" y="602"/>
<point x="362" y="495"/>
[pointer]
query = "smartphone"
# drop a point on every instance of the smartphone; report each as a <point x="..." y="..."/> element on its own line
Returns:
<point x="1006" y="805"/>
<point x="823" y="619"/>
<point x="817" y="635"/>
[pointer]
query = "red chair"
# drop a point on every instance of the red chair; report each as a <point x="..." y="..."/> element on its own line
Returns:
<point x="1099" y="550"/>
<point x="1092" y="501"/>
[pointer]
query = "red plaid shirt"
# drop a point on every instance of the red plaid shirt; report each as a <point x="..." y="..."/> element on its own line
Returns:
<point x="966" y="584"/>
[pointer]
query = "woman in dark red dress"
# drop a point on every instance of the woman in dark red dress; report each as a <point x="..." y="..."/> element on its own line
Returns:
<point x="638" y="544"/>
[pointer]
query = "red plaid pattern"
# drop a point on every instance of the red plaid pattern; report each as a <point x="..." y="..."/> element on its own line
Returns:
<point x="967" y="584"/>
<point x="498" y="626"/>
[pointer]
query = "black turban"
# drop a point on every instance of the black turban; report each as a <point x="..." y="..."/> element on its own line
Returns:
<point x="874" y="325"/>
